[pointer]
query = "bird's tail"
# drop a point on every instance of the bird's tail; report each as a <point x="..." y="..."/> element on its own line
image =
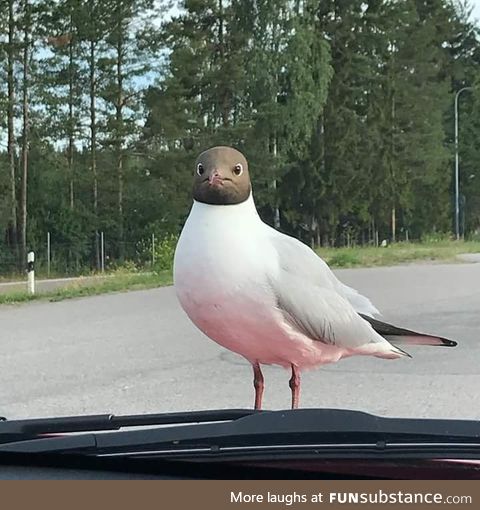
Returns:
<point x="396" y="350"/>
<point x="404" y="336"/>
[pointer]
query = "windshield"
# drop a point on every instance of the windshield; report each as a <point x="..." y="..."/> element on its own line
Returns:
<point x="351" y="127"/>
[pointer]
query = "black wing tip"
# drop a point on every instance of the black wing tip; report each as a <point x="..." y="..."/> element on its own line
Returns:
<point x="386" y="329"/>
<point x="448" y="343"/>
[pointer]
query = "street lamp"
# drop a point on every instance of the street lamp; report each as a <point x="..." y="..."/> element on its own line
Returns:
<point x="457" y="196"/>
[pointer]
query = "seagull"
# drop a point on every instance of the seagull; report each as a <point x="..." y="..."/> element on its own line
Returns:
<point x="265" y="295"/>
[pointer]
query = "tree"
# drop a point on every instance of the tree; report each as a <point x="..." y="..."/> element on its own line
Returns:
<point x="343" y="109"/>
<point x="11" y="57"/>
<point x="121" y="65"/>
<point x="26" y="78"/>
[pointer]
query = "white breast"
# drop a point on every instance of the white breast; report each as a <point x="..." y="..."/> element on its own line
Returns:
<point x="221" y="271"/>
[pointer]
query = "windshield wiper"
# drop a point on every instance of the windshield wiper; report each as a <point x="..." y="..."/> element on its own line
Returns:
<point x="98" y="422"/>
<point x="243" y="434"/>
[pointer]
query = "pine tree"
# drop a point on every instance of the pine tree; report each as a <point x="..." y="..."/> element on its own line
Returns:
<point x="62" y="86"/>
<point x="120" y="66"/>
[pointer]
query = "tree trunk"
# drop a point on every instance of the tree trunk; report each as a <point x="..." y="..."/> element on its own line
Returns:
<point x="120" y="205"/>
<point x="119" y="127"/>
<point x="276" y="213"/>
<point x="313" y="230"/>
<point x="93" y="146"/>
<point x="224" y="99"/>
<point x="10" y="124"/>
<point x="392" y="166"/>
<point x="71" y="131"/>
<point x="394" y="225"/>
<point x="26" y="126"/>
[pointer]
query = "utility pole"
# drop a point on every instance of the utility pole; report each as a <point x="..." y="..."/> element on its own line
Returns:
<point x="457" y="188"/>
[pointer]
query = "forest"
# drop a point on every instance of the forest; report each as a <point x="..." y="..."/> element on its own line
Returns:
<point x="344" y="109"/>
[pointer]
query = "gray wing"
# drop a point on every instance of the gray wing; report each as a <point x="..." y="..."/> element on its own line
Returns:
<point x="321" y="313"/>
<point x="315" y="304"/>
<point x="298" y="259"/>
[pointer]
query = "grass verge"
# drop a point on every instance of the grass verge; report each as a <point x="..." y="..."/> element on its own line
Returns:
<point x="114" y="283"/>
<point x="397" y="254"/>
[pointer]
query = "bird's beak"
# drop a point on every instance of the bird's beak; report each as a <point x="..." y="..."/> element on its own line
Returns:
<point x="215" y="178"/>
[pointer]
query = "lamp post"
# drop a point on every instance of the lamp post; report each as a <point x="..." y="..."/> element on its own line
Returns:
<point x="457" y="191"/>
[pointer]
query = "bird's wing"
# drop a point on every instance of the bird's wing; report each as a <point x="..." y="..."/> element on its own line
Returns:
<point x="323" y="315"/>
<point x="297" y="258"/>
<point x="360" y="302"/>
<point x="309" y="299"/>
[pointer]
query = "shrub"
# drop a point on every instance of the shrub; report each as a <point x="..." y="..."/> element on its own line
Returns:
<point x="164" y="252"/>
<point x="163" y="256"/>
<point x="127" y="266"/>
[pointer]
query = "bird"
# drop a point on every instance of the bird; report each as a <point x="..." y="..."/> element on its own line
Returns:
<point x="265" y="295"/>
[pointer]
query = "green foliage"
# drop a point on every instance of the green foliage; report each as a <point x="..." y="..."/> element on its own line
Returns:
<point x="398" y="253"/>
<point x="158" y="253"/>
<point x="164" y="252"/>
<point x="343" y="109"/>
<point x="344" y="259"/>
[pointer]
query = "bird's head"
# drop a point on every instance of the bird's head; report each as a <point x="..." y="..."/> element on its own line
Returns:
<point x="221" y="177"/>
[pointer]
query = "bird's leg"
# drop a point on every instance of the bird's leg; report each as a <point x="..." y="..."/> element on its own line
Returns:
<point x="258" y="385"/>
<point x="294" y="384"/>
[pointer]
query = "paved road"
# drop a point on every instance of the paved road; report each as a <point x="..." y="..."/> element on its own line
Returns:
<point x="137" y="352"/>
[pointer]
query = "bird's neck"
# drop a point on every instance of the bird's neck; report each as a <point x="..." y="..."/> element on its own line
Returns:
<point x="245" y="210"/>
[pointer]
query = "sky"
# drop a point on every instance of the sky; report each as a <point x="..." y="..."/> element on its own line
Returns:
<point x="476" y="9"/>
<point x="475" y="4"/>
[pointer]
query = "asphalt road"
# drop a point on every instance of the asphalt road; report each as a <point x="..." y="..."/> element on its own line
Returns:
<point x="137" y="352"/>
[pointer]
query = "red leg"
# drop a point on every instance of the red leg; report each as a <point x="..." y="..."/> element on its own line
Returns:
<point x="294" y="384"/>
<point x="258" y="384"/>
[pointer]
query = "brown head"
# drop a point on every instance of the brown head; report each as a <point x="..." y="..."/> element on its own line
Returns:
<point x="221" y="177"/>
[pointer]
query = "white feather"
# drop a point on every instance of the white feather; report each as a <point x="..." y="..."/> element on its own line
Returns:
<point x="265" y="295"/>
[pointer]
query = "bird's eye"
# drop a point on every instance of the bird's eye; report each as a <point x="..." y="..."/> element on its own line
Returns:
<point x="200" y="169"/>
<point x="238" y="169"/>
